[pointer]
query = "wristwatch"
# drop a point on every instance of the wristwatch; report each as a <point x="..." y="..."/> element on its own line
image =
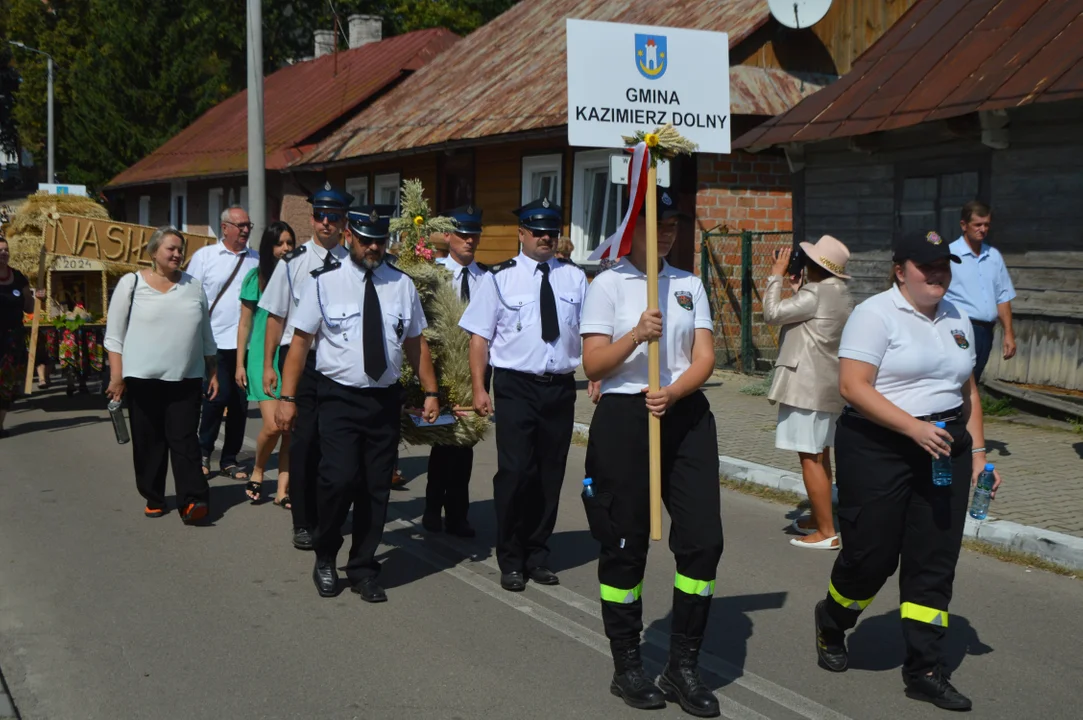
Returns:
<point x="432" y="395"/>
<point x="288" y="398"/>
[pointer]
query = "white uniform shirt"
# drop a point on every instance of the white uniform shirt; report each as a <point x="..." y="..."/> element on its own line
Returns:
<point x="277" y="298"/>
<point x="617" y="298"/>
<point x="168" y="334"/>
<point x="212" y="265"/>
<point x="339" y="353"/>
<point x="922" y="363"/>
<point x="474" y="278"/>
<point x="506" y="311"/>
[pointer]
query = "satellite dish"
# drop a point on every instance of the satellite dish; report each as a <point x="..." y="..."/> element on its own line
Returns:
<point x="799" y="14"/>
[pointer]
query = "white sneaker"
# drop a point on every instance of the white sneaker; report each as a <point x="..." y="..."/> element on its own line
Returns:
<point x="825" y="544"/>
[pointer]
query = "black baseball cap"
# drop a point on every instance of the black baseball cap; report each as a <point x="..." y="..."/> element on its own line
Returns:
<point x="922" y="247"/>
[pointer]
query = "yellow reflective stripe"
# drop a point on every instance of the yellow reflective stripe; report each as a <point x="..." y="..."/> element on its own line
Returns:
<point x="620" y="595"/>
<point x="703" y="588"/>
<point x="932" y="616"/>
<point x="846" y="602"/>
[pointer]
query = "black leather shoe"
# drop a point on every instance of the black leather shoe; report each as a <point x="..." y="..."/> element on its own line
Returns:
<point x="630" y="683"/>
<point x="936" y="689"/>
<point x="302" y="538"/>
<point x="325" y="577"/>
<point x="462" y="530"/>
<point x="544" y="576"/>
<point x="830" y="644"/>
<point x="432" y="523"/>
<point x="680" y="680"/>
<point x="370" y="590"/>
<point x="513" y="582"/>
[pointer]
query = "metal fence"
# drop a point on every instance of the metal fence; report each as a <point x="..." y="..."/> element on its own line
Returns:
<point x="734" y="268"/>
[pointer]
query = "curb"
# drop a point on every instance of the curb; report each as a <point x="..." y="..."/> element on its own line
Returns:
<point x="1059" y="548"/>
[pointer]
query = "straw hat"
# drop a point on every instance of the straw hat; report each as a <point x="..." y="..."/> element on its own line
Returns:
<point x="828" y="253"/>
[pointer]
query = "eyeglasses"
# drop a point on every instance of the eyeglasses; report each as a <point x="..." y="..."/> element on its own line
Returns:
<point x="320" y="216"/>
<point x="537" y="234"/>
<point x="240" y="226"/>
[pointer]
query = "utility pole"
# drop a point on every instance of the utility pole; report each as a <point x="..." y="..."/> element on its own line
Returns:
<point x="51" y="146"/>
<point x="257" y="190"/>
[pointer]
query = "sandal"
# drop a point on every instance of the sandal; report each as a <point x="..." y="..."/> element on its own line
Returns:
<point x="206" y="462"/>
<point x="283" y="502"/>
<point x="235" y="472"/>
<point x="252" y="490"/>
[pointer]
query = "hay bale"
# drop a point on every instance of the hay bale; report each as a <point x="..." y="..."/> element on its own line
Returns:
<point x="26" y="232"/>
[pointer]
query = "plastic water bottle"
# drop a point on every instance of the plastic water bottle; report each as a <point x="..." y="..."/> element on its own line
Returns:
<point x="983" y="493"/>
<point x="116" y="414"/>
<point x="588" y="488"/>
<point x="942" y="466"/>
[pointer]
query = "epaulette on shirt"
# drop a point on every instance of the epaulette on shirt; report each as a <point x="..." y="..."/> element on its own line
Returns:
<point x="494" y="269"/>
<point x="483" y="267"/>
<point x="329" y="264"/>
<point x="390" y="260"/>
<point x="295" y="253"/>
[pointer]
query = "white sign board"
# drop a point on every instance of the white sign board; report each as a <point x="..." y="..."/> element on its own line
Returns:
<point x="63" y="189"/>
<point x="624" y="78"/>
<point x="618" y="170"/>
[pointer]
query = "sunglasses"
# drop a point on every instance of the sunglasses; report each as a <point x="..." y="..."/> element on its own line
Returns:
<point x="363" y="240"/>
<point x="240" y="226"/>
<point x="537" y="234"/>
<point x="320" y="216"/>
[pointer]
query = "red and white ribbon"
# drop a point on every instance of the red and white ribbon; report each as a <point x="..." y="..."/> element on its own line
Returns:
<point x="619" y="243"/>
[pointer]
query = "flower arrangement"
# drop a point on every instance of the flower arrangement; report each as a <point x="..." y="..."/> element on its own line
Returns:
<point x="73" y="319"/>
<point x="448" y="343"/>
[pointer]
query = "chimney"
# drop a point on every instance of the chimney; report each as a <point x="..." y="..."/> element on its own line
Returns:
<point x="365" y="29"/>
<point x="325" y="42"/>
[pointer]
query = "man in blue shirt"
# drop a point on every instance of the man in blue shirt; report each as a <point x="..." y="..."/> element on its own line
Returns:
<point x="981" y="285"/>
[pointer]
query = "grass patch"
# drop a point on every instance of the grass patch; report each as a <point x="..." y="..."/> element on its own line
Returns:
<point x="996" y="407"/>
<point x="784" y="497"/>
<point x="1019" y="558"/>
<point x="761" y="388"/>
<point x="579" y="438"/>
<point x="1077" y="425"/>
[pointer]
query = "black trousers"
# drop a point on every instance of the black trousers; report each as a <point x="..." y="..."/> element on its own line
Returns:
<point x="232" y="396"/>
<point x="983" y="346"/>
<point x="618" y="462"/>
<point x="164" y="417"/>
<point x="359" y="437"/>
<point x="305" y="449"/>
<point x="533" y="434"/>
<point x="889" y="510"/>
<point x="447" y="491"/>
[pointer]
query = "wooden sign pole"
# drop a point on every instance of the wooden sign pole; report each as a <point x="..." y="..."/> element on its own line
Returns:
<point x="38" y="305"/>
<point x="654" y="426"/>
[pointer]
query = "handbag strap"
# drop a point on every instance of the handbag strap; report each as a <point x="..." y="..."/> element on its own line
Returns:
<point x="131" y="301"/>
<point x="229" y="281"/>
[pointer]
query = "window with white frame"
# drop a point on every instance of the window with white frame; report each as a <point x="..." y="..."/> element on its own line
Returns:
<point x="541" y="178"/>
<point x="178" y="205"/>
<point x="144" y="209"/>
<point x="214" y="211"/>
<point x="385" y="190"/>
<point x="358" y="187"/>
<point x="244" y="198"/>
<point x="597" y="204"/>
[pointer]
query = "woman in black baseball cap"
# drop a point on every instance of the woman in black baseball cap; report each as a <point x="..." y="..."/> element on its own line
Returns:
<point x="906" y="364"/>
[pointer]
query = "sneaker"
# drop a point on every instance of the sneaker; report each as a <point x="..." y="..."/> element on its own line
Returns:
<point x="194" y="512"/>
<point x="830" y="644"/>
<point x="936" y="689"/>
<point x="153" y="512"/>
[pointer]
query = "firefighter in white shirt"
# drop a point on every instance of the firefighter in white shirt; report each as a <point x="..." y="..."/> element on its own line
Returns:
<point x="616" y="326"/>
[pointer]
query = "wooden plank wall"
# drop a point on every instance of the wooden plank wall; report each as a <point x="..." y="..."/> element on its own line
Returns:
<point x="831" y="45"/>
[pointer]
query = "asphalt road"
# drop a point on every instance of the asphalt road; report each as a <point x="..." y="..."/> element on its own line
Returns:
<point x="107" y="614"/>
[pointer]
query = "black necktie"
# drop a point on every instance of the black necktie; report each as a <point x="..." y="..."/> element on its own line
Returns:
<point x="372" y="332"/>
<point x="550" y="326"/>
<point x="464" y="289"/>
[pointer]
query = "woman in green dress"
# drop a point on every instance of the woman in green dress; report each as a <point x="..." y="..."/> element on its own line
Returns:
<point x="278" y="239"/>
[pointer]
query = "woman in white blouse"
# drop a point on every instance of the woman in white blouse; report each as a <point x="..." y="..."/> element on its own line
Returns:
<point x="160" y="347"/>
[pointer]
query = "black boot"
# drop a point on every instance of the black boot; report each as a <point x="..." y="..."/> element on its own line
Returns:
<point x="630" y="683"/>
<point x="681" y="681"/>
<point x="936" y="688"/>
<point x="830" y="643"/>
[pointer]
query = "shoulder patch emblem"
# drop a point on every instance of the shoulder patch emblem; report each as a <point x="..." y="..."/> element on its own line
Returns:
<point x="960" y="339"/>
<point x="295" y="253"/>
<point x="502" y="266"/>
<point x="684" y="299"/>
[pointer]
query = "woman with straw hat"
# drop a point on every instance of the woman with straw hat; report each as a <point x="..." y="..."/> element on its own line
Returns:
<point x="806" y="383"/>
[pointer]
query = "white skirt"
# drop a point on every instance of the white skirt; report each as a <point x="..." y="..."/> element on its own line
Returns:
<point x="804" y="431"/>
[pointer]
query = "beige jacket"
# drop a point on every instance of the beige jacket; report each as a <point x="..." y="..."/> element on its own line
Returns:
<point x="807" y="369"/>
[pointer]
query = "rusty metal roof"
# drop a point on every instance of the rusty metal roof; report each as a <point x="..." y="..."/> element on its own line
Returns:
<point x="942" y="59"/>
<point x="509" y="76"/>
<point x="299" y="101"/>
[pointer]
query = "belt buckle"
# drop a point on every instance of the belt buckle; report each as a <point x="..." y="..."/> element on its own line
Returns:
<point x="544" y="378"/>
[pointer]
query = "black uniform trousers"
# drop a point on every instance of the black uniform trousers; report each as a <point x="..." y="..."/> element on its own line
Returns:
<point x="359" y="437"/>
<point x="890" y="511"/>
<point x="618" y="462"/>
<point x="305" y="449"/>
<point x="447" y="489"/>
<point x="533" y="434"/>
<point x="230" y="395"/>
<point x="164" y="418"/>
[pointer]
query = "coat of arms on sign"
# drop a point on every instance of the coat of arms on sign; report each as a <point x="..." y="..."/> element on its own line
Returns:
<point x="651" y="55"/>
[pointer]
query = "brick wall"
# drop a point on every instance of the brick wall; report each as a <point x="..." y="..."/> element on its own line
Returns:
<point x="738" y="192"/>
